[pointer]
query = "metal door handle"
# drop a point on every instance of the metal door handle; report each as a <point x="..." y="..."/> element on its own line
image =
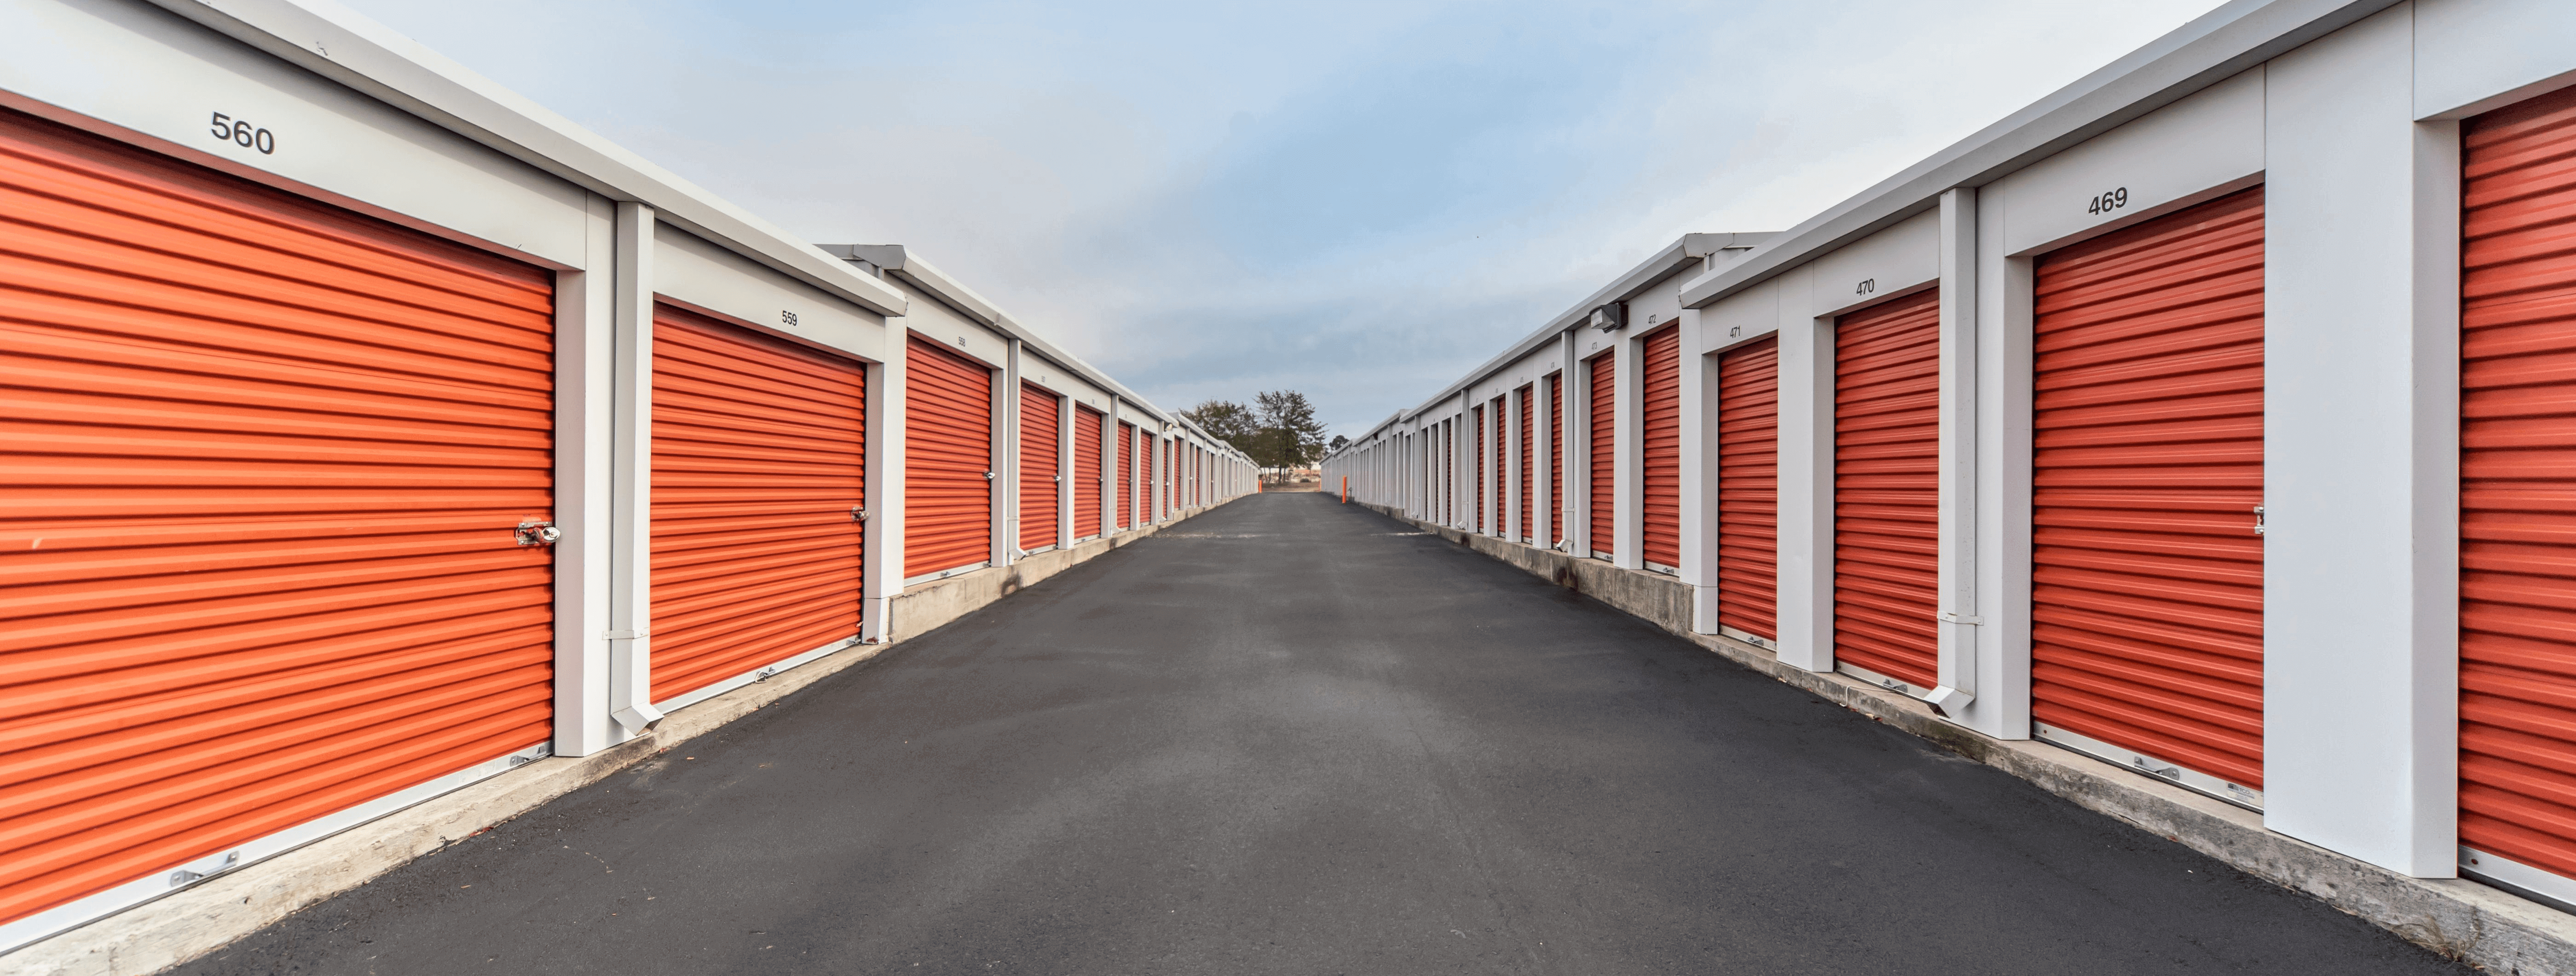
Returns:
<point x="858" y="513"/>
<point x="535" y="533"/>
<point x="2258" y="520"/>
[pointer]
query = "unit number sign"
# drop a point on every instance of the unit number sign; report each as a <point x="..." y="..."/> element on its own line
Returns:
<point x="243" y="134"/>
<point x="2108" y="202"/>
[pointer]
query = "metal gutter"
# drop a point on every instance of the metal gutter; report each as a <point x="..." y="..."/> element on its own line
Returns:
<point x="2211" y="48"/>
<point x="901" y="262"/>
<point x="1673" y="259"/>
<point x="340" y="44"/>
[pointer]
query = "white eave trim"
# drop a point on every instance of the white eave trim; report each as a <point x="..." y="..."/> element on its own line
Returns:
<point x="2211" y="48"/>
<point x="347" y="47"/>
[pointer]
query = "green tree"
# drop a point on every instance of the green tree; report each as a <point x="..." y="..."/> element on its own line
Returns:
<point x="1293" y="437"/>
<point x="1227" y="421"/>
<point x="1338" y="443"/>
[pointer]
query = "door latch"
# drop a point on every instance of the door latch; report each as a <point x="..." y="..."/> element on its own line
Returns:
<point x="988" y="476"/>
<point x="535" y="533"/>
<point x="858" y="513"/>
<point x="2258" y="520"/>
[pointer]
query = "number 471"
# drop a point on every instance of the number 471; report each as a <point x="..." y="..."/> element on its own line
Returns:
<point x="243" y="134"/>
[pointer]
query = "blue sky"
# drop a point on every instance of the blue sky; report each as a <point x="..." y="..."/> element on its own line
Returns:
<point x="1356" y="200"/>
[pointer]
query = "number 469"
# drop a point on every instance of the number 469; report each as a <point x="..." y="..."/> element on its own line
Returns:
<point x="2108" y="202"/>
<point x="243" y="134"/>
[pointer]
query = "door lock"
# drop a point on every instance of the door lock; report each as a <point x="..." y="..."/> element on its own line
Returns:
<point x="535" y="533"/>
<point x="858" y="513"/>
<point x="2258" y="520"/>
<point x="988" y="476"/>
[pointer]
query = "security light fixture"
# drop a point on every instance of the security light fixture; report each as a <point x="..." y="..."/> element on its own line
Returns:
<point x="1608" y="318"/>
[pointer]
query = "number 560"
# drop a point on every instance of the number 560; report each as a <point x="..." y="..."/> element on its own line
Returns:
<point x="239" y="132"/>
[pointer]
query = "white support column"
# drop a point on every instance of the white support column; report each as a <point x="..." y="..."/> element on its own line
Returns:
<point x="585" y="428"/>
<point x="1578" y="453"/>
<point x="1066" y="479"/>
<point x="1959" y="621"/>
<point x="630" y="609"/>
<point x="1627" y="478"/>
<point x="1699" y="474"/>
<point x="2002" y="532"/>
<point x="2361" y="454"/>
<point x="1005" y="462"/>
<point x="881" y="541"/>
<point x="1806" y="585"/>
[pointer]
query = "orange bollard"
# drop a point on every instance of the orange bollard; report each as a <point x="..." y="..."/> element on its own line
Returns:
<point x="1346" y="489"/>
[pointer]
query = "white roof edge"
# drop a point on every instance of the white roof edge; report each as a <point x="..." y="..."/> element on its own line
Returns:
<point x="1647" y="274"/>
<point x="347" y="47"/>
<point x="2211" y="48"/>
<point x="903" y="262"/>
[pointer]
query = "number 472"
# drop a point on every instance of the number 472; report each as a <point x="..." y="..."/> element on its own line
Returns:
<point x="243" y="134"/>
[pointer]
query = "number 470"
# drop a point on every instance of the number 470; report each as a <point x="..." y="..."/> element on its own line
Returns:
<point x="243" y="134"/>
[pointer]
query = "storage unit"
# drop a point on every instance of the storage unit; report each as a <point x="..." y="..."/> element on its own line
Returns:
<point x="1886" y="490"/>
<point x="2518" y="494"/>
<point x="1040" y="482"/>
<point x="759" y="468"/>
<point x="1478" y="481"/>
<point x="948" y="461"/>
<point x="1556" y="481"/>
<point x="2147" y="470"/>
<point x="1523" y="394"/>
<point x="1748" y="491"/>
<point x="269" y="467"/>
<point x="1087" y="448"/>
<point x="1602" y="457"/>
<point x="1660" y="450"/>
<point x="1126" y="474"/>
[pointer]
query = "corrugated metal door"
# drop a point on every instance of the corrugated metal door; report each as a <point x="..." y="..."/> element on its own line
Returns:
<point x="1660" y="451"/>
<point x="1087" y="424"/>
<point x="947" y="460"/>
<point x="1039" y="484"/>
<point x="1528" y="517"/>
<point x="2147" y="463"/>
<point x="1479" y="479"/>
<point x="1502" y="449"/>
<point x="1556" y="485"/>
<point x="759" y="458"/>
<point x="1748" y="490"/>
<point x="1886" y="454"/>
<point x="264" y="464"/>
<point x="2518" y="487"/>
<point x="1126" y="474"/>
<point x="1603" y="457"/>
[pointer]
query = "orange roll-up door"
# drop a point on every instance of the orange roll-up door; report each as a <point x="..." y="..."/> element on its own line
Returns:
<point x="2147" y="462"/>
<point x="264" y="464"/>
<point x="1556" y="459"/>
<point x="1528" y="517"/>
<point x="759" y="457"/>
<point x="1087" y="424"/>
<point x="947" y="460"/>
<point x="1748" y="489"/>
<point x="1479" y="479"/>
<point x="1603" y="456"/>
<point x="1660" y="451"/>
<point x="1125" y="476"/>
<point x="2518" y="487"/>
<point x="1039" y="414"/>
<point x="1887" y="400"/>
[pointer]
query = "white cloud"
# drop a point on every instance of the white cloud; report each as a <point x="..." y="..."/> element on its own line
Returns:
<point x="1359" y="201"/>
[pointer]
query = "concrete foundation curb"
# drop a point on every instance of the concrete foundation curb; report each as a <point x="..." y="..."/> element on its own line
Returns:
<point x="159" y="934"/>
<point x="2460" y="919"/>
